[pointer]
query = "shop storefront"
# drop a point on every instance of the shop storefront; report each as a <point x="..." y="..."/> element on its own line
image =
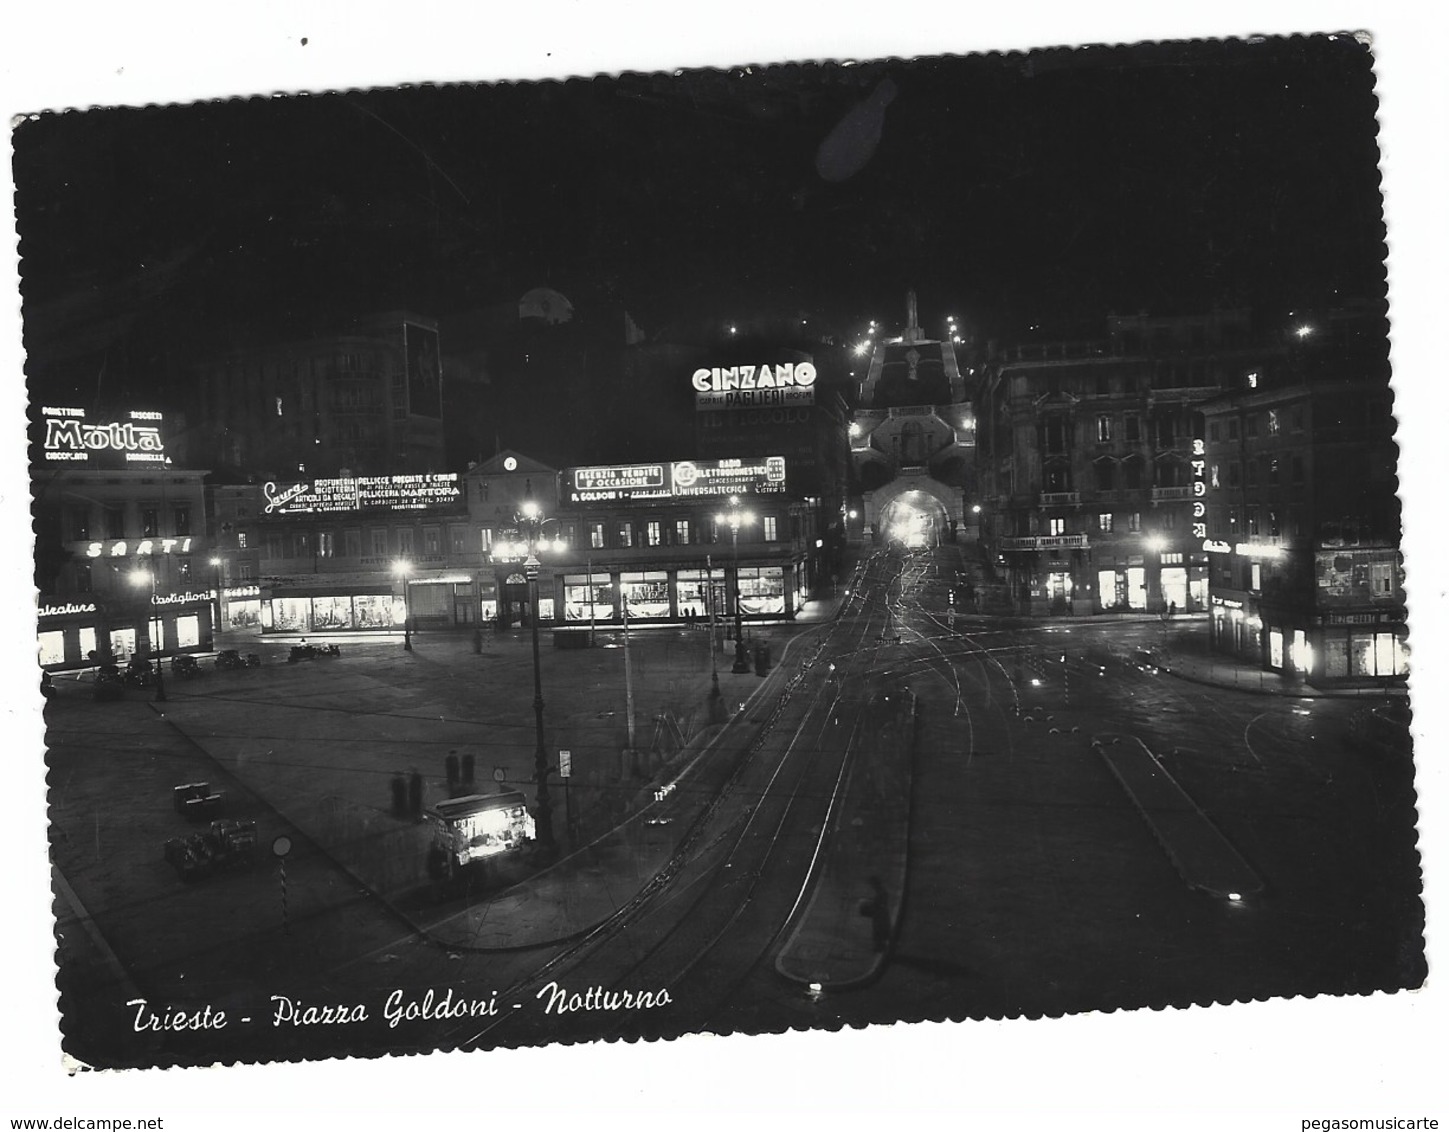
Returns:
<point x="355" y="608"/>
<point x="81" y="634"/>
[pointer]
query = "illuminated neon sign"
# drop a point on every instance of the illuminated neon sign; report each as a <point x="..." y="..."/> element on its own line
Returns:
<point x="1199" y="489"/>
<point x="70" y="438"/>
<point x="750" y="386"/>
<point x="764" y="475"/>
<point x="71" y="607"/>
<point x="121" y="548"/>
<point x="363" y="493"/>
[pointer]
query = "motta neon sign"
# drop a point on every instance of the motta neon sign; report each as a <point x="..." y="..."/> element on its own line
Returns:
<point x="120" y="548"/>
<point x="69" y="437"/>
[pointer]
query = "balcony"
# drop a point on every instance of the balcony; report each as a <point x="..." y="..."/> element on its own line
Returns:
<point x="1045" y="542"/>
<point x="1171" y="494"/>
<point x="1060" y="498"/>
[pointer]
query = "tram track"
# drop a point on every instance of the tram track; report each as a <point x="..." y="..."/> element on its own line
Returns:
<point x="715" y="880"/>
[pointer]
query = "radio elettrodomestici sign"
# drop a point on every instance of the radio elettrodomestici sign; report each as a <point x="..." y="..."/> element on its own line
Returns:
<point x="743" y="387"/>
<point x="613" y="483"/>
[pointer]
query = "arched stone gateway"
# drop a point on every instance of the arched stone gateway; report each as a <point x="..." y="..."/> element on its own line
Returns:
<point x="915" y="511"/>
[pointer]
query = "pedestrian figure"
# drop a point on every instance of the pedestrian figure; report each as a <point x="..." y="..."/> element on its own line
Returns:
<point x="877" y="909"/>
<point x="1172" y="608"/>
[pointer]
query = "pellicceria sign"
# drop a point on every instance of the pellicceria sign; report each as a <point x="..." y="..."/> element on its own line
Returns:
<point x="748" y="386"/>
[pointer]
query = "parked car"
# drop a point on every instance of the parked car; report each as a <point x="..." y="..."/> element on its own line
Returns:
<point x="229" y="659"/>
<point x="308" y="652"/>
<point x="110" y="684"/>
<point x="185" y="667"/>
<point x="139" y="673"/>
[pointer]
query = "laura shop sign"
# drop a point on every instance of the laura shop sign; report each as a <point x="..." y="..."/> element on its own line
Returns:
<point x="70" y="438"/>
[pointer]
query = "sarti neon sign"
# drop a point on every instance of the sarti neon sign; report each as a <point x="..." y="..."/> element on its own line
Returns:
<point x="120" y="548"/>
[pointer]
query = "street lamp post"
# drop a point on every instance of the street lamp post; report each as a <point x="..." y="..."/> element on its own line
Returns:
<point x="143" y="577"/>
<point x="403" y="569"/>
<point x="216" y="567"/>
<point x="737" y="518"/>
<point x="530" y="519"/>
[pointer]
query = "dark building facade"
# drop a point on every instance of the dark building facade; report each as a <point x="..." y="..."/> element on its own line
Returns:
<point x="1302" y="511"/>
<point x="1090" y="458"/>
<point x="366" y="402"/>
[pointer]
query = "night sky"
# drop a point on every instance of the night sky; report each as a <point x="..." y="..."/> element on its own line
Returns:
<point x="1012" y="191"/>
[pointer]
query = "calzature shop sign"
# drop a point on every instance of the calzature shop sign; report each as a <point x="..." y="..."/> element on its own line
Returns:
<point x="72" y="439"/>
<point x="678" y="480"/>
<point x="745" y="387"/>
<point x="363" y="493"/>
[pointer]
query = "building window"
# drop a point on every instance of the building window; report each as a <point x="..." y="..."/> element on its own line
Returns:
<point x="1134" y="523"/>
<point x="326" y="544"/>
<point x="457" y="540"/>
<point x="681" y="532"/>
<point x="1255" y="580"/>
<point x="1252" y="520"/>
<point x="1133" y="428"/>
<point x="626" y="535"/>
<point x="80" y="524"/>
<point x="653" y="535"/>
<point x="1104" y="521"/>
<point x="1105" y="475"/>
<point x="181" y="520"/>
<point x="1057" y="526"/>
<point x="82" y="577"/>
<point x="379" y="542"/>
<point x="1252" y="473"/>
<point x="771" y="531"/>
<point x="485" y="540"/>
<point x="301" y="545"/>
<point x="1273" y="469"/>
<point x="1233" y="522"/>
<point x="352" y="544"/>
<point x="1172" y="558"/>
<point x="432" y="541"/>
<point x="1297" y="469"/>
<point x="1169" y="520"/>
<point x="405" y="541"/>
<point x="244" y="571"/>
<point x="1381" y="579"/>
<point x="1297" y="418"/>
<point x="1213" y="477"/>
<point x="241" y="540"/>
<point x="150" y="522"/>
<point x="596" y="536"/>
<point x="1214" y="431"/>
<point x="1252" y="424"/>
<point x="1233" y="428"/>
<point x="1104" y="429"/>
